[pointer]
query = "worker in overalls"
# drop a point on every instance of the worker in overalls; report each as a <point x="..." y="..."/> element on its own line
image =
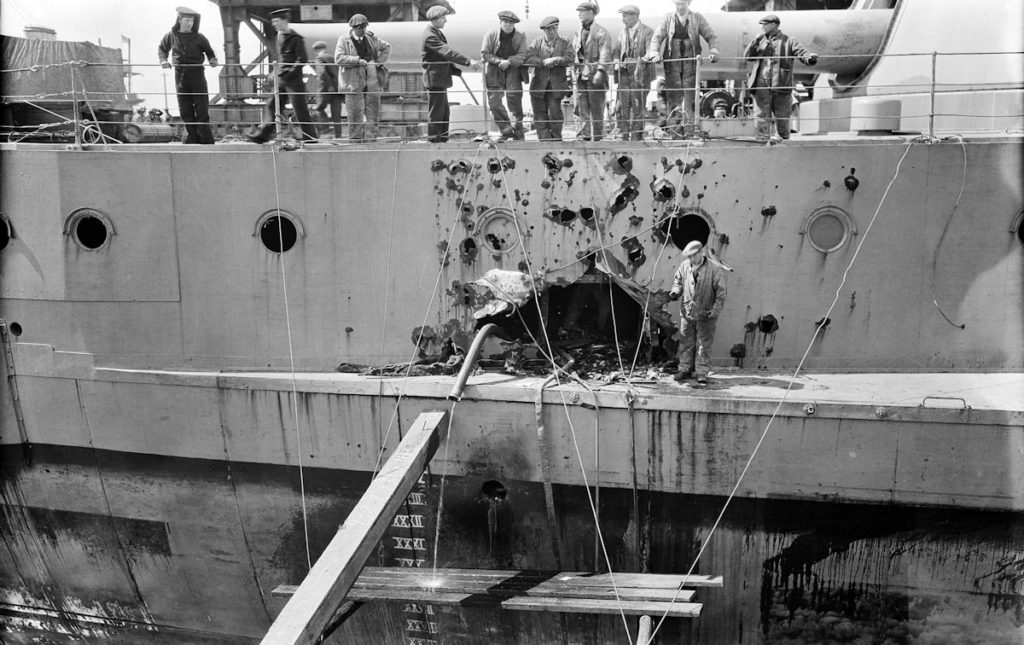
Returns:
<point x="677" y="42"/>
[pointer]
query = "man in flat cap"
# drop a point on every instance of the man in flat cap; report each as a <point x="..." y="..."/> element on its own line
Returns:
<point x="439" y="65"/>
<point x="677" y="42"/>
<point x="291" y="57"/>
<point x="504" y="53"/>
<point x="327" y="90"/>
<point x="552" y="55"/>
<point x="186" y="48"/>
<point x="701" y="284"/>
<point x="633" y="77"/>
<point x="362" y="58"/>
<point x="592" y="46"/>
<point x="771" y="78"/>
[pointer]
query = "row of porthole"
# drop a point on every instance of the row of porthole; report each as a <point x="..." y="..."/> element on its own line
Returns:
<point x="827" y="228"/>
<point x="91" y="230"/>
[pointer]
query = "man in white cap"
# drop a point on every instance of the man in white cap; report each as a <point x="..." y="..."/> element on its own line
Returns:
<point x="592" y="46"/>
<point x="551" y="54"/>
<point x="504" y="52"/>
<point x="327" y="95"/>
<point x="771" y="78"/>
<point x="362" y="59"/>
<point x="701" y="284"/>
<point x="439" y="65"/>
<point x="633" y="77"/>
<point x="677" y="42"/>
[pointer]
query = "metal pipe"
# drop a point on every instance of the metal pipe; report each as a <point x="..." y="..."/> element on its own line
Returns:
<point x="467" y="365"/>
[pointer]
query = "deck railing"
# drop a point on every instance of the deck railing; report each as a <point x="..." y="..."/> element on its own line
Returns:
<point x="89" y="116"/>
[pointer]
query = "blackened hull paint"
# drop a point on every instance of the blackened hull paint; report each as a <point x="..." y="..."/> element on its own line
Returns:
<point x="161" y="549"/>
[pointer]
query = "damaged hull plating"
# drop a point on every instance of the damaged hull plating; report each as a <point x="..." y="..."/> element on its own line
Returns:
<point x="159" y="500"/>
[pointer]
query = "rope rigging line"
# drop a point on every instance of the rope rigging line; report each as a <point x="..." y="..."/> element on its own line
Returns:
<point x="440" y="495"/>
<point x="565" y="405"/>
<point x="426" y="316"/>
<point x="785" y="394"/>
<point x="291" y="360"/>
<point x="597" y="426"/>
<point x="604" y="253"/>
<point x="942" y="237"/>
<point x="387" y="289"/>
<point x="654" y="269"/>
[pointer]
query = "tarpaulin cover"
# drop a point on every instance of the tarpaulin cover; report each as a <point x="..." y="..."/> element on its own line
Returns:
<point x="101" y="78"/>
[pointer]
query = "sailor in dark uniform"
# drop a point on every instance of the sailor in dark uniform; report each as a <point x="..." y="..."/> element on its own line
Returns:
<point x="291" y="57"/>
<point x="439" y="65"/>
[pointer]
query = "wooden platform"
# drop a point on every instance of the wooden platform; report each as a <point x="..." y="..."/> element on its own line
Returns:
<point x="571" y="592"/>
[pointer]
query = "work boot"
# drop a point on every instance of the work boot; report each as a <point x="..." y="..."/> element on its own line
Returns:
<point x="506" y="136"/>
<point x="702" y="379"/>
<point x="682" y="375"/>
<point x="518" y="133"/>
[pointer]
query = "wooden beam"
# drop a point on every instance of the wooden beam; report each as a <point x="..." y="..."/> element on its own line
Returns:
<point x="309" y="611"/>
<point x="568" y="592"/>
<point x="677" y="609"/>
<point x="643" y="634"/>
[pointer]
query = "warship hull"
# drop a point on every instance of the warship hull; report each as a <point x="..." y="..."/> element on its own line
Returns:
<point x="165" y="465"/>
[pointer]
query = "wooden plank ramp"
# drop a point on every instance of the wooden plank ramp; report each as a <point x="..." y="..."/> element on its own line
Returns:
<point x="313" y="604"/>
<point x="634" y="594"/>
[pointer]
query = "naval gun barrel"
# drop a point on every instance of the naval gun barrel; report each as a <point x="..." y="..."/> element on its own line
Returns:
<point x="846" y="41"/>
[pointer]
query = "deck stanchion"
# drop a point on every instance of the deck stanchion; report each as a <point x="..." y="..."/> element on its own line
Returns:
<point x="931" y="109"/>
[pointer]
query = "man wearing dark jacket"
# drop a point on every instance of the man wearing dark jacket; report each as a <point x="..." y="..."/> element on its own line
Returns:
<point x="552" y="55"/>
<point x="291" y="57"/>
<point x="439" y="61"/>
<point x="328" y="95"/>
<point x="771" y="78"/>
<point x="184" y="48"/>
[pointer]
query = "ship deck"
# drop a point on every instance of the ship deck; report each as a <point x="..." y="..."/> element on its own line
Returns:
<point x="744" y="391"/>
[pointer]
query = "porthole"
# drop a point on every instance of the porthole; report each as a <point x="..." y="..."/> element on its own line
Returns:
<point x="89" y="228"/>
<point x="1017" y="228"/>
<point x="686" y="226"/>
<point x="498" y="231"/>
<point x="278" y="231"/>
<point x="828" y="228"/>
<point x="6" y="232"/>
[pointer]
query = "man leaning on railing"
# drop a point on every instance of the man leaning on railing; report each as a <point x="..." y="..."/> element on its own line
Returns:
<point x="677" y="42"/>
<point x="771" y="79"/>
<point x="632" y="76"/>
<point x="504" y="53"/>
<point x="185" y="48"/>
<point x="551" y="55"/>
